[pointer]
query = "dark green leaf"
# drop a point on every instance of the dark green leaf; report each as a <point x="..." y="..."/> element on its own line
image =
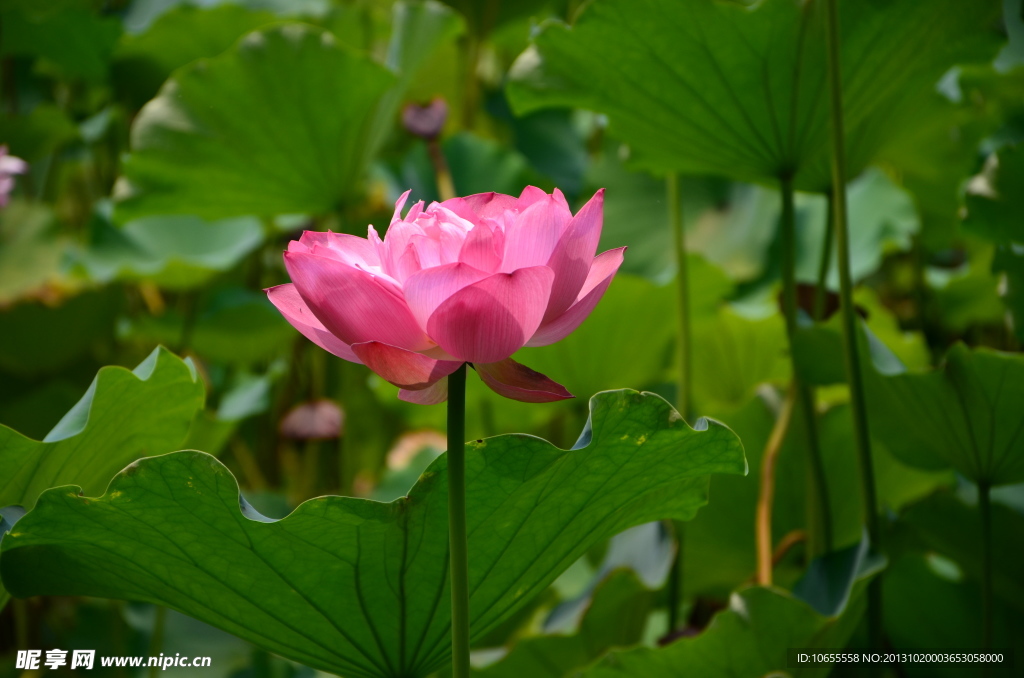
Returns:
<point x="181" y="35"/>
<point x="276" y="125"/>
<point x="966" y="414"/>
<point x="719" y="88"/>
<point x="358" y="587"/>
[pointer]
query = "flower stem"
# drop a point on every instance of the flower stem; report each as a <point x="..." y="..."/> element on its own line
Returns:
<point x="985" y="507"/>
<point x="684" y="377"/>
<point x="821" y="290"/>
<point x="457" y="539"/>
<point x="853" y="372"/>
<point x="156" y="640"/>
<point x="819" y="513"/>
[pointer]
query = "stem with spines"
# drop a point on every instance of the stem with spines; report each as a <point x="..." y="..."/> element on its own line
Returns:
<point x="850" y="348"/>
<point x="457" y="539"/>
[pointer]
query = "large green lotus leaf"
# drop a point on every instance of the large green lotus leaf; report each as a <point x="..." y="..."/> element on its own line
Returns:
<point x="966" y="414"/>
<point x="276" y="125"/>
<point x="175" y="252"/>
<point x="997" y="212"/>
<point x="752" y="636"/>
<point x="183" y="34"/>
<point x="946" y="525"/>
<point x="358" y="587"/>
<point x="616" y="617"/>
<point x="720" y="88"/>
<point x="125" y="415"/>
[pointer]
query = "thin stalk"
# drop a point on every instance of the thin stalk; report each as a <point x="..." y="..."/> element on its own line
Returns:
<point x="985" y="507"/>
<point x="156" y="641"/>
<point x="458" y="542"/>
<point x="684" y="377"/>
<point x="853" y="373"/>
<point x="821" y="290"/>
<point x="763" y="529"/>
<point x="819" y="513"/>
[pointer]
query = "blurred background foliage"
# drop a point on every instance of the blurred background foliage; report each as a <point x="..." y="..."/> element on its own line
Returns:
<point x="175" y="147"/>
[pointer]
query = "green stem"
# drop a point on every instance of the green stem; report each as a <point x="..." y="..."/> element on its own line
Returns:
<point x="821" y="291"/>
<point x="684" y="377"/>
<point x="457" y="522"/>
<point x="156" y="641"/>
<point x="985" y="507"/>
<point x="819" y="513"/>
<point x="853" y="372"/>
<point x="684" y="388"/>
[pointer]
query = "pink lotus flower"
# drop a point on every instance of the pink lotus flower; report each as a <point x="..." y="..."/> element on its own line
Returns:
<point x="9" y="166"/>
<point x="468" y="280"/>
